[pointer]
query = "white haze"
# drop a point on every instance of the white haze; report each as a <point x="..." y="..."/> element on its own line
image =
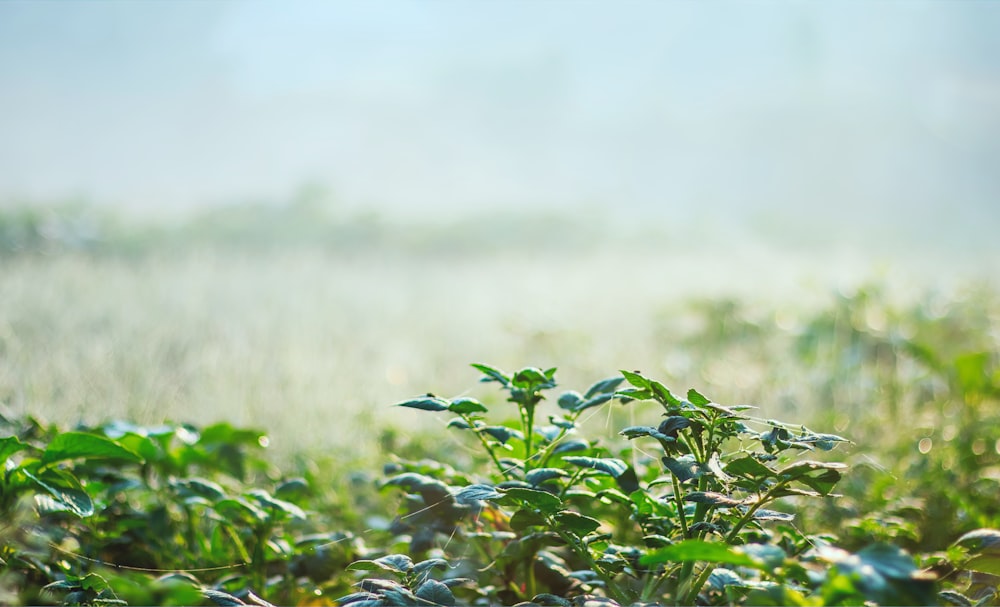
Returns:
<point x="881" y="115"/>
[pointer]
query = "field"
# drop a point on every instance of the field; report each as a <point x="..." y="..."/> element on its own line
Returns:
<point x="313" y="345"/>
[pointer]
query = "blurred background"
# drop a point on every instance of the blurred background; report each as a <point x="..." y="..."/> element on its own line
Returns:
<point x="222" y="210"/>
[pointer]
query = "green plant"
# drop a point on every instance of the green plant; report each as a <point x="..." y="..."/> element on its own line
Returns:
<point x="559" y="514"/>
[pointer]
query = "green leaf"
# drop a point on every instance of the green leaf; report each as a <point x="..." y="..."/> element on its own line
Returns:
<point x="983" y="549"/>
<point x="466" y="406"/>
<point x="198" y="487"/>
<point x="427" y="403"/>
<point x="9" y="445"/>
<point x="400" y="563"/>
<point x="711" y="498"/>
<point x="492" y="374"/>
<point x="608" y="465"/>
<point x="700" y="551"/>
<point x="222" y="599"/>
<point x="635" y="379"/>
<point x="531" y="378"/>
<point x="605" y="386"/>
<point x="61" y="498"/>
<point x="274" y="504"/>
<point x="541" y="500"/>
<point x="71" y="445"/>
<point x="524" y="518"/>
<point x="595" y="401"/>
<point x="569" y="400"/>
<point x="540" y="475"/>
<point x="697" y="399"/>
<point x="474" y="493"/>
<point x="502" y="433"/>
<point x="820" y="476"/>
<point x="576" y="523"/>
<point x="663" y="394"/>
<point x="684" y="468"/>
<point x="748" y="467"/>
<point x="436" y="592"/>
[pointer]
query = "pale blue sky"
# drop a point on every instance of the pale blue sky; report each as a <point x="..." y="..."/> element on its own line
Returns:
<point x="739" y="109"/>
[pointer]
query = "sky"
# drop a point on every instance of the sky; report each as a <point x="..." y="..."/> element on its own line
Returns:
<point x="738" y="111"/>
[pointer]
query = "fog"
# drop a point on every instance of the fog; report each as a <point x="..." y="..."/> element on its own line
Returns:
<point x="879" y="117"/>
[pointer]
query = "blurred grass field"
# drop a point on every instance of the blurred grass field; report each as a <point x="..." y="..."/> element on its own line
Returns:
<point x="314" y="343"/>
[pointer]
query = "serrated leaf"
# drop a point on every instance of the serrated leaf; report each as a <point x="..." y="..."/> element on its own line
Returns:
<point x="605" y="386"/>
<point x="436" y="592"/>
<point x="698" y="550"/>
<point x="426" y="404"/>
<point x="579" y="524"/>
<point x="466" y="406"/>
<point x="72" y="445"/>
<point x="608" y="465"/>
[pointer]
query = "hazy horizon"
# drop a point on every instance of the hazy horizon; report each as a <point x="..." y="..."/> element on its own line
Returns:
<point x="881" y="115"/>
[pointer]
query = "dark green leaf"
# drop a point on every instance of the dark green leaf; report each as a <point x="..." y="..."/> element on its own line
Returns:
<point x="436" y="592"/>
<point x="524" y="518"/>
<point x="493" y="374"/>
<point x="426" y="404"/>
<point x="540" y="475"/>
<point x="595" y="401"/>
<point x="530" y="378"/>
<point x="542" y="500"/>
<point x="399" y="563"/>
<point x="821" y="476"/>
<point x="569" y="400"/>
<point x="605" y="386"/>
<point x="62" y="496"/>
<point x="956" y="598"/>
<point x="460" y="423"/>
<point x="276" y="505"/>
<point x="608" y="465"/>
<point x="71" y="445"/>
<point x="502" y="433"/>
<point x="466" y="406"/>
<point x="572" y="445"/>
<point x="748" y="467"/>
<point x="673" y="424"/>
<point x="429" y="564"/>
<point x="663" y="394"/>
<point x="684" y="468"/>
<point x="698" y="550"/>
<point x="576" y="523"/>
<point x="222" y="599"/>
